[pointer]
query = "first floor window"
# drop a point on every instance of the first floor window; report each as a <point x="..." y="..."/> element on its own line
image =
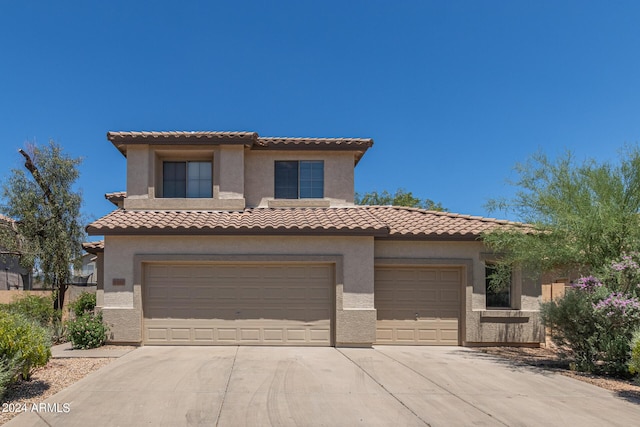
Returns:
<point x="498" y="285"/>
<point x="186" y="180"/>
<point x="303" y="179"/>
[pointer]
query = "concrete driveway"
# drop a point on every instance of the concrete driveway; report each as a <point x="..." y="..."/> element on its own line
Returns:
<point x="384" y="386"/>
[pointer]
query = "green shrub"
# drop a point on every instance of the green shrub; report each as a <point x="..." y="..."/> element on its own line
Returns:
<point x="634" y="356"/>
<point x="25" y="340"/>
<point x="570" y="320"/>
<point x="58" y="332"/>
<point x="38" y="308"/>
<point x="596" y="325"/>
<point x="87" y="331"/>
<point x="623" y="275"/>
<point x="9" y="368"/>
<point x="85" y="303"/>
<point x="616" y="317"/>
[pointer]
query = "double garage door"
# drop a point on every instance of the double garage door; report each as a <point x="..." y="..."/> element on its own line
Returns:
<point x="418" y="305"/>
<point x="292" y="304"/>
<point x="231" y="304"/>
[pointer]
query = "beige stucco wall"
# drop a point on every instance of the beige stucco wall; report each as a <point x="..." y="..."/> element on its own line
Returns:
<point x="100" y="280"/>
<point x="480" y="326"/>
<point x="7" y="297"/>
<point x="355" y="316"/>
<point x="338" y="176"/>
<point x="241" y="177"/>
<point x="355" y="313"/>
<point x="139" y="172"/>
<point x="144" y="177"/>
<point x="230" y="166"/>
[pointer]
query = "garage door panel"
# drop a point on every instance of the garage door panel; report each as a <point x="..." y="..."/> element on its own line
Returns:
<point x="429" y="335"/>
<point x="203" y="334"/>
<point x="450" y="275"/>
<point x="427" y="296"/>
<point x="450" y="296"/>
<point x="273" y="335"/>
<point x="271" y="304"/>
<point x="427" y="275"/>
<point x="417" y="305"/>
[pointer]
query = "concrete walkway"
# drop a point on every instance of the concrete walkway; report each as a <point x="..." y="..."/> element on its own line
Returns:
<point x="384" y="386"/>
<point x="66" y="350"/>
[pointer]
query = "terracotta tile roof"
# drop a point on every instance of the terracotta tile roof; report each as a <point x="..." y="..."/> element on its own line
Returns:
<point x="379" y="221"/>
<point x="93" y="247"/>
<point x="153" y="137"/>
<point x="116" y="197"/>
<point x="413" y="223"/>
<point x="299" y="221"/>
<point x="6" y="219"/>
<point x="250" y="139"/>
<point x="315" y="142"/>
<point x="358" y="145"/>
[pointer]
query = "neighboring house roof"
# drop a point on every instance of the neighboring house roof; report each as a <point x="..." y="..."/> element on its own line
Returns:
<point x="378" y="221"/>
<point x="94" y="247"/>
<point x="249" y="139"/>
<point x="7" y="219"/>
<point x="11" y="223"/>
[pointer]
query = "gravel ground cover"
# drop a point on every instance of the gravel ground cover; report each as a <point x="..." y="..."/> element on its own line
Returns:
<point x="47" y="381"/>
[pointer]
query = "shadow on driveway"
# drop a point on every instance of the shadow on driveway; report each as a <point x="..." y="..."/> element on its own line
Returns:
<point x="294" y="386"/>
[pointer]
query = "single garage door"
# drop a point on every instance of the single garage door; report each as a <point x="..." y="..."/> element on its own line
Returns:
<point x="418" y="305"/>
<point x="231" y="304"/>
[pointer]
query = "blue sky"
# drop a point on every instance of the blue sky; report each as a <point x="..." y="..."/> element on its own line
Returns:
<point x="454" y="93"/>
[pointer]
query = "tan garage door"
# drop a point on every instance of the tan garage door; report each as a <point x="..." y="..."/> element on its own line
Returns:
<point x="254" y="304"/>
<point x="417" y="305"/>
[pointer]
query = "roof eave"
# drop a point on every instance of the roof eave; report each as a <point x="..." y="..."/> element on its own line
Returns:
<point x="137" y="231"/>
<point x="91" y="248"/>
<point x="433" y="237"/>
<point x="123" y="139"/>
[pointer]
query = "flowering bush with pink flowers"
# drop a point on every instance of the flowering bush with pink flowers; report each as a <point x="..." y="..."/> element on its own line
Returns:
<point x="624" y="274"/>
<point x="589" y="283"/>
<point x="87" y="331"/>
<point x="596" y="319"/>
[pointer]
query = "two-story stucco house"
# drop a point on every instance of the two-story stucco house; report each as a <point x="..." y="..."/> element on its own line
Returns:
<point x="234" y="238"/>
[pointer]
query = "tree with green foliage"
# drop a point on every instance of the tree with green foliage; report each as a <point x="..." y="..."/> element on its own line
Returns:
<point x="583" y="215"/>
<point x="46" y="208"/>
<point x="400" y="198"/>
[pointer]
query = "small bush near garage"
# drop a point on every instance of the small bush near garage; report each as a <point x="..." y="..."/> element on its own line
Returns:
<point x="87" y="331"/>
<point x="85" y="303"/>
<point x="634" y="362"/>
<point x="24" y="342"/>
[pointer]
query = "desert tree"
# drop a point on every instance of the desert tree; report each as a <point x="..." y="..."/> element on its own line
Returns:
<point x="48" y="230"/>
<point x="584" y="214"/>
<point x="399" y="198"/>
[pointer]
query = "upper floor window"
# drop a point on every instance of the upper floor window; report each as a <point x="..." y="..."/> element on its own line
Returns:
<point x="499" y="280"/>
<point x="186" y="179"/>
<point x="303" y="179"/>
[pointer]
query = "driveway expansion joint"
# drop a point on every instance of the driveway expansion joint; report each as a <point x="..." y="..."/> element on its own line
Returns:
<point x="226" y="388"/>
<point x="445" y="389"/>
<point x="384" y="388"/>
